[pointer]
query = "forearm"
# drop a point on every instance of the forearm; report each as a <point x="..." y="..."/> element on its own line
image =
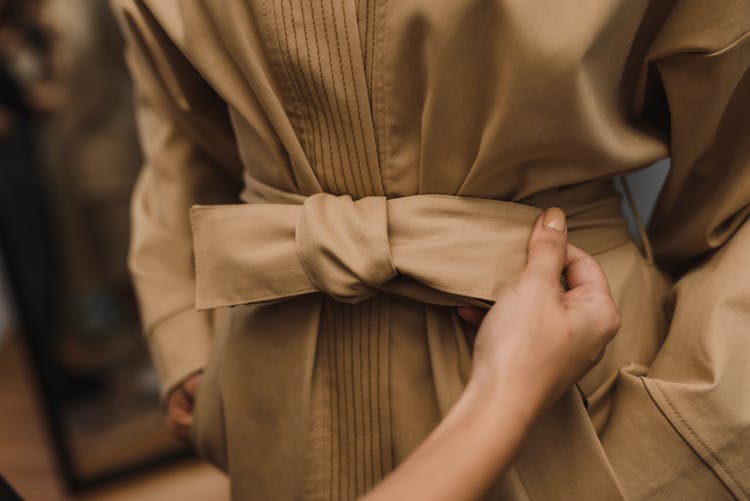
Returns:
<point x="475" y="442"/>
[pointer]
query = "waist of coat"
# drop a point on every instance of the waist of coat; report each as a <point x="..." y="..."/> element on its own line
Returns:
<point x="440" y="249"/>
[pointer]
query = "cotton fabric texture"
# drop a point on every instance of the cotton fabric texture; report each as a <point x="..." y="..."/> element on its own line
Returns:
<point x="343" y="174"/>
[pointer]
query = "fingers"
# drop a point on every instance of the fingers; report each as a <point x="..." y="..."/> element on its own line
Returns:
<point x="582" y="270"/>
<point x="547" y="245"/>
<point x="473" y="316"/>
<point x="180" y="414"/>
<point x="589" y="300"/>
<point x="190" y="387"/>
<point x="180" y="407"/>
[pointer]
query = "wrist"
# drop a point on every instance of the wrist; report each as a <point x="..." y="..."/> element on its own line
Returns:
<point x="502" y="396"/>
<point x="492" y="418"/>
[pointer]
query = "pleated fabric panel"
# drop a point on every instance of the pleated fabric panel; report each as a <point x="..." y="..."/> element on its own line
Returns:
<point x="325" y="52"/>
<point x="350" y="422"/>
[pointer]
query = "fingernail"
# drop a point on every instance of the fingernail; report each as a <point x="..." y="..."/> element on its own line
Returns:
<point x="554" y="219"/>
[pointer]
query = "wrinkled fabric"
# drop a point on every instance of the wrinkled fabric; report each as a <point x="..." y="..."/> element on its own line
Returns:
<point x="325" y="181"/>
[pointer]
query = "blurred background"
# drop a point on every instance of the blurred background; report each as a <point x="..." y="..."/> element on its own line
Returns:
<point x="80" y="416"/>
<point x="80" y="413"/>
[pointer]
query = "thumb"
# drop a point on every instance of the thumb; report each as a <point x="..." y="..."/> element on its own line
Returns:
<point x="547" y="245"/>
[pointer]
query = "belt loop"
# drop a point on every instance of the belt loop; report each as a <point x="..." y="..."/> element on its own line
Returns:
<point x="643" y="235"/>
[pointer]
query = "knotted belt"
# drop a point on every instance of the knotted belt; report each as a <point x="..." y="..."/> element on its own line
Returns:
<point x="437" y="249"/>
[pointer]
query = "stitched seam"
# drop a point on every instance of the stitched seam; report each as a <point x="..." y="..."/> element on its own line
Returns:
<point x="300" y="75"/>
<point x="286" y="53"/>
<point x="340" y="120"/>
<point x="342" y="137"/>
<point x="384" y="90"/>
<point x="366" y="47"/>
<point x="346" y="355"/>
<point x="373" y="403"/>
<point x="332" y="418"/>
<point x="315" y="97"/>
<point x="292" y="76"/>
<point x="716" y="461"/>
<point x="347" y="404"/>
<point x="193" y="229"/>
<point x="351" y="309"/>
<point x="371" y="7"/>
<point x="332" y="397"/>
<point x="359" y="401"/>
<point x="348" y="374"/>
<point x="364" y="325"/>
<point x="288" y="81"/>
<point x="339" y="399"/>
<point x="346" y="99"/>
<point x="377" y="390"/>
<point x="339" y="440"/>
<point x="327" y="109"/>
<point x="361" y="134"/>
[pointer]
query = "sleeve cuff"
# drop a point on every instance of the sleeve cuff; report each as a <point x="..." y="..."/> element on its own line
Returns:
<point x="180" y="346"/>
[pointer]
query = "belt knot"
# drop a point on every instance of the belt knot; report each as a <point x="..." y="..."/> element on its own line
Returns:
<point x="343" y="245"/>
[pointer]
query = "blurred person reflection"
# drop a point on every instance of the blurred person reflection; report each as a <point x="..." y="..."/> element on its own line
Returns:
<point x="69" y="158"/>
<point x="26" y="224"/>
<point x="96" y="157"/>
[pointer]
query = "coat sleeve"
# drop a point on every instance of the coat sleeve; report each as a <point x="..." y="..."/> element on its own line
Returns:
<point x="700" y="230"/>
<point x="706" y="198"/>
<point x="190" y="158"/>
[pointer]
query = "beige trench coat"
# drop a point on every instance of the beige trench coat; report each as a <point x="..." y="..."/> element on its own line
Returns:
<point x="344" y="173"/>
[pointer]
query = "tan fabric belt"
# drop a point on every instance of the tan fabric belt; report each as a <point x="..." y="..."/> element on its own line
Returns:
<point x="437" y="249"/>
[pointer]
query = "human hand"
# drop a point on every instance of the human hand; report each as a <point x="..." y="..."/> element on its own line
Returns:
<point x="539" y="339"/>
<point x="180" y="407"/>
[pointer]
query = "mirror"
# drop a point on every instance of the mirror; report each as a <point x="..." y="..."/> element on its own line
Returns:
<point x="68" y="159"/>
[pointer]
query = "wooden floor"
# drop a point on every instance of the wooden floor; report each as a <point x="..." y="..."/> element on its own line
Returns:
<point x="27" y="462"/>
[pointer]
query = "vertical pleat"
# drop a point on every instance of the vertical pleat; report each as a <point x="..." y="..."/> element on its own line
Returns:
<point x="325" y="52"/>
<point x="366" y="11"/>
<point x="351" y="430"/>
